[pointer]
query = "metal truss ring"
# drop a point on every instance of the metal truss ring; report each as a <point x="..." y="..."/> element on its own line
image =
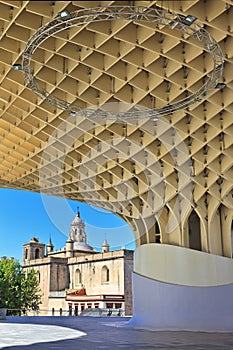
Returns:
<point x="154" y="15"/>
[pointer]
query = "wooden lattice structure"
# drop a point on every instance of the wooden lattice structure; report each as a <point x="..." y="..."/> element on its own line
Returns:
<point x="153" y="173"/>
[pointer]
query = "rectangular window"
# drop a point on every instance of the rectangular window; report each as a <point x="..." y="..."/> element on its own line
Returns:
<point x="109" y="305"/>
<point x="118" y="305"/>
<point x="96" y="305"/>
<point x="89" y="305"/>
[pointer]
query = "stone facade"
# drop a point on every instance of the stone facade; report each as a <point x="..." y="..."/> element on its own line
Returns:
<point x="104" y="278"/>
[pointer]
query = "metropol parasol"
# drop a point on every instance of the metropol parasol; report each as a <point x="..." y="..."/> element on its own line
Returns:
<point x="127" y="105"/>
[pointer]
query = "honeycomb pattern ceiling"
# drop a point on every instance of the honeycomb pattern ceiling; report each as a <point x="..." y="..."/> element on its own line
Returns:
<point x="134" y="167"/>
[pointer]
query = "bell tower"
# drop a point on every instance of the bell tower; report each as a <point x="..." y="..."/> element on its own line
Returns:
<point x="33" y="250"/>
<point x="77" y="230"/>
<point x="77" y="239"/>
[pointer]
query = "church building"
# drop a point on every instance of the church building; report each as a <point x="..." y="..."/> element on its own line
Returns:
<point x="77" y="277"/>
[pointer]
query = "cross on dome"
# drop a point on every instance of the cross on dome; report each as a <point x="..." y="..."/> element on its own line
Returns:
<point x="78" y="234"/>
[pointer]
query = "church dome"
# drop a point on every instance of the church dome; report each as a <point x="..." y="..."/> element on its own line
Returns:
<point x="78" y="235"/>
<point x="82" y="246"/>
<point x="77" y="220"/>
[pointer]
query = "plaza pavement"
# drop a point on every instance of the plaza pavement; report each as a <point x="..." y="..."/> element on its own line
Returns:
<point x="99" y="333"/>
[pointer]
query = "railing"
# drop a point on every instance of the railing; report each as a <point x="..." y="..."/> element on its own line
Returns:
<point x="70" y="312"/>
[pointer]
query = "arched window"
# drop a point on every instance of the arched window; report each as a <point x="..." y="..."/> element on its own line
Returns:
<point x="78" y="277"/>
<point x="194" y="231"/>
<point x="105" y="274"/>
<point x="157" y="233"/>
<point x="37" y="253"/>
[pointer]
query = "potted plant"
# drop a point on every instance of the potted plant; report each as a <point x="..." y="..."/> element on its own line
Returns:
<point x="3" y="310"/>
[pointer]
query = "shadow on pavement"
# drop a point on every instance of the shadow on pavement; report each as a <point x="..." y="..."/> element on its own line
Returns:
<point x="110" y="334"/>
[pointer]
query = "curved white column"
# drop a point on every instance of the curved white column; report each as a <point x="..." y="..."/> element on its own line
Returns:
<point x="177" y="288"/>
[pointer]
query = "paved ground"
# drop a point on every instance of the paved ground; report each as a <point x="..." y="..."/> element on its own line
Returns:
<point x="96" y="333"/>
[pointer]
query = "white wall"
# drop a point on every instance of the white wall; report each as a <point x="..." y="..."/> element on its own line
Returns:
<point x="183" y="266"/>
<point x="175" y="288"/>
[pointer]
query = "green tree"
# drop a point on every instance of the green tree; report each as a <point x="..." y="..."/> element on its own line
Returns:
<point x="18" y="289"/>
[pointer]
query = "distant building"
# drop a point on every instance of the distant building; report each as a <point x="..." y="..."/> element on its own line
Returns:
<point x="77" y="277"/>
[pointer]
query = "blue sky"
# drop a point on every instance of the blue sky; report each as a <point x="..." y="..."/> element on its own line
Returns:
<point x="24" y="215"/>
